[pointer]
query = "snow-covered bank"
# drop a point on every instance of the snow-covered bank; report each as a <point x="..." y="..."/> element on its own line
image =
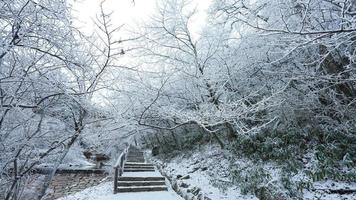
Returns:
<point x="206" y="173"/>
<point x="201" y="174"/>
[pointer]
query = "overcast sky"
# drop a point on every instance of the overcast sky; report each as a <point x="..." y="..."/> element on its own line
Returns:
<point x="129" y="13"/>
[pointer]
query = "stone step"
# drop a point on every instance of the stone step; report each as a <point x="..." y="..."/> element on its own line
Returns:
<point x="135" y="156"/>
<point x="136" y="160"/>
<point x="138" y="170"/>
<point x="139" y="159"/>
<point x="135" y="150"/>
<point x="141" y="183"/>
<point x="139" y="167"/>
<point x="142" y="188"/>
<point x="135" y="153"/>
<point x="137" y="163"/>
<point x="125" y="178"/>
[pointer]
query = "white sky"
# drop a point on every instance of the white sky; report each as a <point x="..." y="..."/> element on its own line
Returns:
<point x="129" y="13"/>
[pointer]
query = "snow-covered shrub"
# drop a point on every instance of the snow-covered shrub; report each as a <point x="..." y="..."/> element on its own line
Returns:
<point x="255" y="179"/>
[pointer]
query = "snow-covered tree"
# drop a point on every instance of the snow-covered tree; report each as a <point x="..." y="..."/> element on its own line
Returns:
<point x="49" y="72"/>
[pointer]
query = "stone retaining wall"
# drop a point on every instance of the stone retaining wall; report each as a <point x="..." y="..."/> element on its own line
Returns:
<point x="66" y="184"/>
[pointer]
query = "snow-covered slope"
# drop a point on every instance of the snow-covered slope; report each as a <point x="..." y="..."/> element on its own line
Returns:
<point x="205" y="173"/>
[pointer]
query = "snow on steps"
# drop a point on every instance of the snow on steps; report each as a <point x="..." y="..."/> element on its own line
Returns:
<point x="104" y="192"/>
<point x="142" y="188"/>
<point x="141" y="183"/>
<point x="139" y="169"/>
<point x="138" y="164"/>
<point x="143" y="178"/>
<point x="135" y="159"/>
<point x="139" y="179"/>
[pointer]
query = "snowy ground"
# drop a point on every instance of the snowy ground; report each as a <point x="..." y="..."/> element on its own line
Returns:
<point x="104" y="191"/>
<point x="321" y="191"/>
<point x="206" y="171"/>
<point x="208" y="175"/>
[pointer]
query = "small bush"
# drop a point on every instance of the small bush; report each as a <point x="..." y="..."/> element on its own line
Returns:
<point x="256" y="180"/>
<point x="335" y="153"/>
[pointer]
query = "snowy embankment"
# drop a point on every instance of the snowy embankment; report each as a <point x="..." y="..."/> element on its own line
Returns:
<point x="202" y="174"/>
<point x="205" y="174"/>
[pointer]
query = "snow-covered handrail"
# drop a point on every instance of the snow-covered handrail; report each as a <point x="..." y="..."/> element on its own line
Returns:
<point x="119" y="167"/>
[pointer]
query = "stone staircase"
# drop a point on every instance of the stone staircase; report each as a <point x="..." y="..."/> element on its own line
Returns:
<point x="143" y="176"/>
<point x="138" y="167"/>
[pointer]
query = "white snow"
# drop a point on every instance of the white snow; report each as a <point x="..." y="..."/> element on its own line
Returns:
<point x="322" y="187"/>
<point x="214" y="181"/>
<point x="104" y="191"/>
<point x="213" y="158"/>
<point x="142" y="174"/>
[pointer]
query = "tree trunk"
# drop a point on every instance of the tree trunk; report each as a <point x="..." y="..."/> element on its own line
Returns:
<point x="49" y="178"/>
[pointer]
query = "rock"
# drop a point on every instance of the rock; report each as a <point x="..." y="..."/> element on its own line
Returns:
<point x="98" y="157"/>
<point x="196" y="162"/>
<point x="101" y="157"/>
<point x="204" y="168"/>
<point x="179" y="176"/>
<point x="87" y="154"/>
<point x="195" y="191"/>
<point x="175" y="186"/>
<point x="185" y="177"/>
<point x="183" y="185"/>
<point x="155" y="151"/>
<point x="200" y="196"/>
<point x="194" y="170"/>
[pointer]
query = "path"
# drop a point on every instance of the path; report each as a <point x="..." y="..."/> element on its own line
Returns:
<point x="141" y="180"/>
<point x="140" y="176"/>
